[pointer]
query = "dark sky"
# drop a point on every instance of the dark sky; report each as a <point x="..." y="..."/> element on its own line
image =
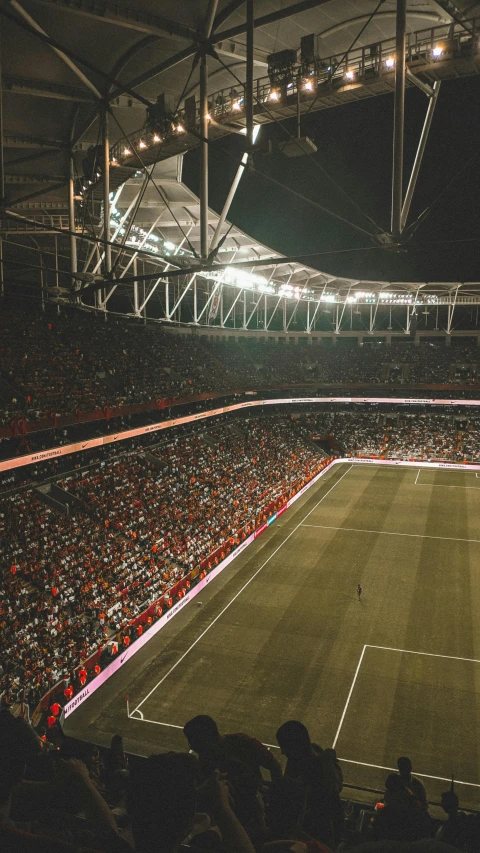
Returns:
<point x="355" y="148"/>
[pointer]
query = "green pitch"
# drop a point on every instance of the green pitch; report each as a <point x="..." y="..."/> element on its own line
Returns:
<point x="281" y="634"/>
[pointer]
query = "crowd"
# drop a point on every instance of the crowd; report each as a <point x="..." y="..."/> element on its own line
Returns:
<point x="144" y="519"/>
<point x="71" y="363"/>
<point x="429" y="437"/>
<point x="228" y="794"/>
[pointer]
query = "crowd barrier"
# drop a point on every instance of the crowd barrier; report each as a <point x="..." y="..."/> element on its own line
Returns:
<point x="80" y="446"/>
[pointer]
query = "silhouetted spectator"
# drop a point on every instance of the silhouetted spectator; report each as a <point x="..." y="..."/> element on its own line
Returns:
<point x="307" y="763"/>
<point x="212" y="748"/>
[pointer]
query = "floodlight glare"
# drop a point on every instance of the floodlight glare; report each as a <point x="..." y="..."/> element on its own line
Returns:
<point x="142" y="144"/>
<point x="308" y="86"/>
<point x="180" y="128"/>
<point x="390" y="62"/>
<point x="236" y="106"/>
<point x="437" y="51"/>
<point x="273" y="96"/>
<point x="156" y="137"/>
<point x="127" y="152"/>
<point x="350" y="75"/>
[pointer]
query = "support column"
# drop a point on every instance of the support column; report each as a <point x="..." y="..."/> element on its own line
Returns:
<point x="106" y="195"/>
<point x="249" y="77"/>
<point x="135" y="289"/>
<point x="2" y="283"/>
<point x="399" y="117"/>
<point x="71" y="217"/>
<point x="419" y="155"/>
<point x="2" y="165"/>
<point x="203" y="158"/>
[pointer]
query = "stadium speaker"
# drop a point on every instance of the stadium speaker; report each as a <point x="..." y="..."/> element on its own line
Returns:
<point x="190" y="111"/>
<point x="307" y="49"/>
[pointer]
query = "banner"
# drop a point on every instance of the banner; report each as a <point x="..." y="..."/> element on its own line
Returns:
<point x="31" y="459"/>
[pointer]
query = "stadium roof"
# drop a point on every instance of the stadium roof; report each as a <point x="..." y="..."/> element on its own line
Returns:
<point x="61" y="62"/>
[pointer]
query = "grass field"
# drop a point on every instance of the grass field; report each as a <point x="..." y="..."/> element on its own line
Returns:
<point x="281" y="634"/>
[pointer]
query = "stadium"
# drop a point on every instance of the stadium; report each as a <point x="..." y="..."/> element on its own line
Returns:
<point x="239" y="426"/>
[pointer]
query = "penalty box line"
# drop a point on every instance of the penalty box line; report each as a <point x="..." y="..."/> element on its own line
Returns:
<point x="444" y="485"/>
<point x="172" y="668"/>
<point x="407" y="652"/>
<point x="394" y="533"/>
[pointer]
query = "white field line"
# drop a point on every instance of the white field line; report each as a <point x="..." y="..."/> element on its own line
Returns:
<point x="426" y="654"/>
<point x="349" y="697"/>
<point x="391" y="533"/>
<point x="174" y="726"/>
<point x="443" y="486"/>
<point x="240" y="591"/>
<point x="395" y="770"/>
<point x="416" y="478"/>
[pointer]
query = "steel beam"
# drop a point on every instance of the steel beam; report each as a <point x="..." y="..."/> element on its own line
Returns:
<point x="71" y="216"/>
<point x="249" y="77"/>
<point x="210" y="17"/>
<point x="419" y="155"/>
<point x="66" y="59"/>
<point x="2" y="158"/>
<point x="424" y="87"/>
<point x="132" y="19"/>
<point x="106" y="194"/>
<point x="226" y="13"/>
<point x="32" y="142"/>
<point x="203" y="158"/>
<point x="182" y="295"/>
<point x="399" y="118"/>
<point x="232" y="306"/>
<point x="19" y="86"/>
<point x="272" y="18"/>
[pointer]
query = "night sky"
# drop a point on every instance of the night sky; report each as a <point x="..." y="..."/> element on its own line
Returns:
<point x="355" y="148"/>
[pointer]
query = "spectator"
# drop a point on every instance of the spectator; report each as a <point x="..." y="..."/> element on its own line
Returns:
<point x="308" y="764"/>
<point x="411" y="782"/>
<point x="213" y="748"/>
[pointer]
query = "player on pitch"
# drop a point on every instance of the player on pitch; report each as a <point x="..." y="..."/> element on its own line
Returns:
<point x="359" y="591"/>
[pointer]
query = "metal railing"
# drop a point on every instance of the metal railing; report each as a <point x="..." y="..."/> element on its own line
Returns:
<point x="328" y="74"/>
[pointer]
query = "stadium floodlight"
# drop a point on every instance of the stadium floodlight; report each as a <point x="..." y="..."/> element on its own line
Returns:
<point x="349" y="75"/>
<point x="390" y="62"/>
<point x="328" y="297"/>
<point x="236" y="106"/>
<point x="308" y="85"/>
<point x="127" y="152"/>
<point x="256" y="131"/>
<point x="437" y="51"/>
<point x="156" y="137"/>
<point x="142" y="144"/>
<point x="273" y="95"/>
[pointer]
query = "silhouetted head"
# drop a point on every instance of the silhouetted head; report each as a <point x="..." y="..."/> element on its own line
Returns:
<point x="202" y="733"/>
<point x="404" y="767"/>
<point x="449" y="802"/>
<point x="293" y="739"/>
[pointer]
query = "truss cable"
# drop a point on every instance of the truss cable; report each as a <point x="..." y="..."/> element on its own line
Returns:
<point x="418" y="221"/>
<point x="303" y="197"/>
<point x="310" y="155"/>
<point x="366" y="24"/>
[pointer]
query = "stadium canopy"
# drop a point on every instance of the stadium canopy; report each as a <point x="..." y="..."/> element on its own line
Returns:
<point x="79" y="80"/>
